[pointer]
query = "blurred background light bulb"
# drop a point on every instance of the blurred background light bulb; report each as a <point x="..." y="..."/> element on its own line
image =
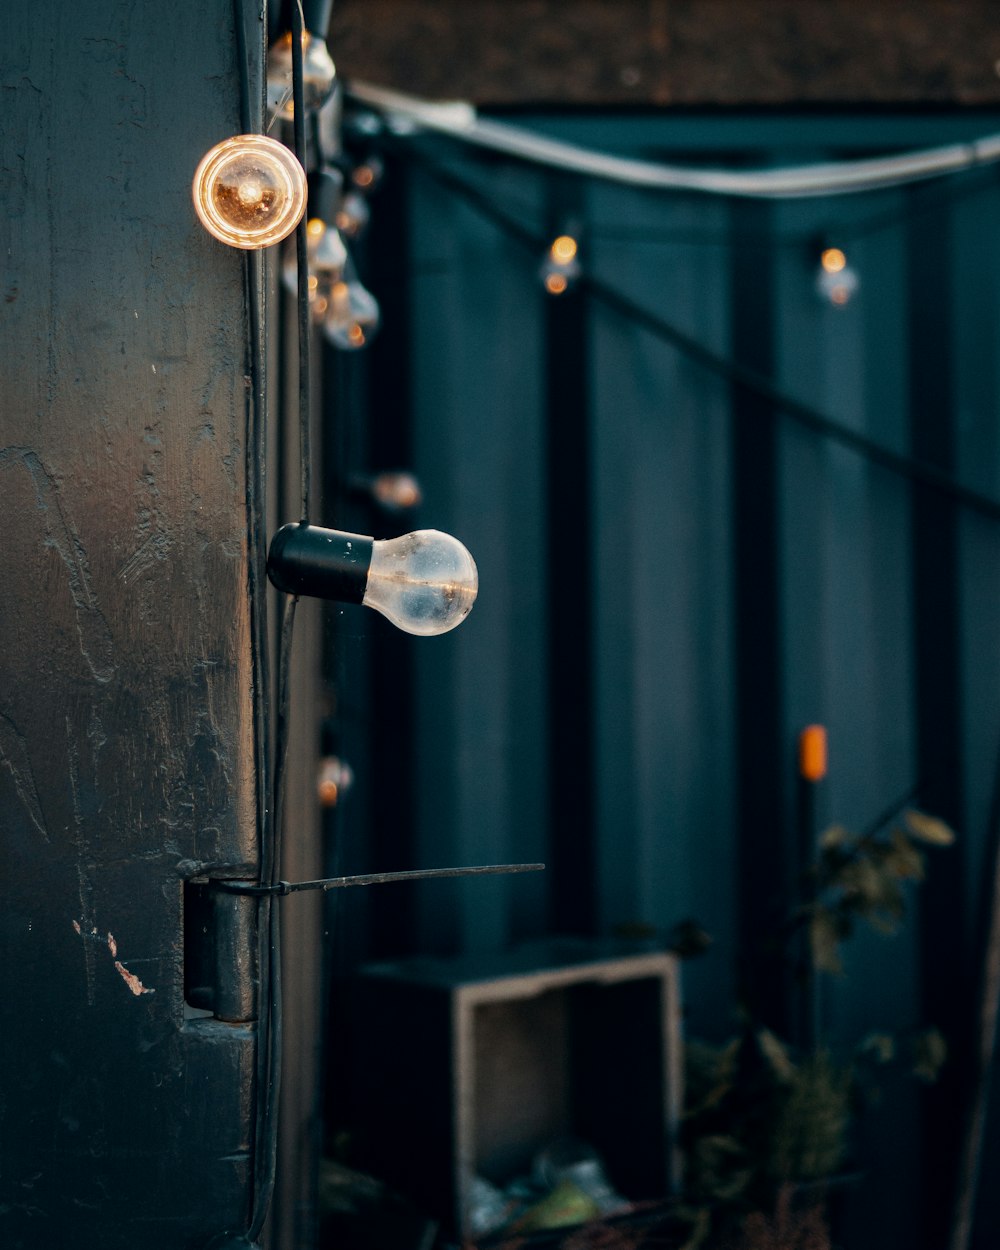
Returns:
<point x="393" y="490"/>
<point x="836" y="281"/>
<point x="318" y="74"/>
<point x="396" y="492"/>
<point x="249" y="191"/>
<point x="425" y="582"/>
<point x="367" y="176"/>
<point x="353" y="215"/>
<point x="327" y="258"/>
<point x="561" y="267"/>
<point x="352" y="317"/>
<point x="336" y="777"/>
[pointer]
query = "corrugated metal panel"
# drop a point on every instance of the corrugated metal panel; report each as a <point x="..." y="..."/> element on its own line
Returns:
<point x="743" y="576"/>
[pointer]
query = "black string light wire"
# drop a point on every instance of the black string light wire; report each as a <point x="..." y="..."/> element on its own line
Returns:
<point x="282" y="888"/>
<point x="739" y="375"/>
<point x="269" y="1046"/>
<point x="272" y="765"/>
<point x="268" y="953"/>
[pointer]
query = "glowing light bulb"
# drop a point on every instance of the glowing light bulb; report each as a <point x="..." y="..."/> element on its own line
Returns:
<point x="249" y="191"/>
<point x="353" y="215"/>
<point x="563" y="250"/>
<point x="318" y="75"/>
<point x="335" y="778"/>
<point x="396" y="492"/>
<point x="561" y="267"/>
<point x="368" y="174"/>
<point x="836" y="281"/>
<point x="352" y="316"/>
<point x="327" y="257"/>
<point x="425" y="582"/>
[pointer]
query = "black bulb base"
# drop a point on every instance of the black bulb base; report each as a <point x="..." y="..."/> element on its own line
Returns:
<point x="320" y="563"/>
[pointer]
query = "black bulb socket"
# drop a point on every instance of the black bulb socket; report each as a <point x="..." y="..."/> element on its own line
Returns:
<point x="320" y="563"/>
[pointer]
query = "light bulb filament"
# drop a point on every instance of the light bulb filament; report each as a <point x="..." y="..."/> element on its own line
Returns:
<point x="563" y="250"/>
<point x="833" y="259"/>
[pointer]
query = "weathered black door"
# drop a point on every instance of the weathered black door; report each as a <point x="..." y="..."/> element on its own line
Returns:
<point x="127" y="743"/>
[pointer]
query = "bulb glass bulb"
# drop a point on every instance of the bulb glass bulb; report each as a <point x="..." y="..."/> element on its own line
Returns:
<point x="425" y="582"/>
<point x="353" y="215"/>
<point x="833" y="260"/>
<point x="368" y="174"/>
<point x="318" y="75"/>
<point x="396" y="492"/>
<point x="352" y="316"/>
<point x="558" y="276"/>
<point x="249" y="191"/>
<point x="327" y="258"/>
<point x="564" y="249"/>
<point x="837" y="286"/>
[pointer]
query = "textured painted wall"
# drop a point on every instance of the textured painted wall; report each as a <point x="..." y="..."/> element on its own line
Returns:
<point x="126" y="736"/>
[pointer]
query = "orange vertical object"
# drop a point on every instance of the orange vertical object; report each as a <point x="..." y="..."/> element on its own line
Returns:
<point x="812" y="753"/>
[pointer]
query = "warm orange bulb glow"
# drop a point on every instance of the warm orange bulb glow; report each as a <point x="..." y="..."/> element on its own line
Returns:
<point x="315" y="227"/>
<point x="363" y="176"/>
<point x="555" y="283"/>
<point x="249" y="191"/>
<point x="563" y="250"/>
<point x="812" y="753"/>
<point x="833" y="259"/>
<point x="356" y="334"/>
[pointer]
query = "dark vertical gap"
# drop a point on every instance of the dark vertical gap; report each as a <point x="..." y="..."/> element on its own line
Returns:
<point x="569" y="563"/>
<point x="765" y="875"/>
<point x="946" y="987"/>
<point x="394" y="725"/>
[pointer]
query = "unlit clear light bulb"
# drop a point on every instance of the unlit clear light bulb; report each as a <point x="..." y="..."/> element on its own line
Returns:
<point x="318" y="74"/>
<point x="353" y="215"/>
<point x="425" y="582"/>
<point x="836" y="281"/>
<point x="352" y="316"/>
<point x="249" y="191"/>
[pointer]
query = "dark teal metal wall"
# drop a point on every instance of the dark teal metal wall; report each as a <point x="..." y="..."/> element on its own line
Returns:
<point x="693" y="576"/>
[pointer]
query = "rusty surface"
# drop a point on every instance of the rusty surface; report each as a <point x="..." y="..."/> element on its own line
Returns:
<point x="675" y="52"/>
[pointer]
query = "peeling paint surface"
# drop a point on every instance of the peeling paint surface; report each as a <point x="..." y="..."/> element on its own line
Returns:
<point x="132" y="981"/>
<point x="93" y="936"/>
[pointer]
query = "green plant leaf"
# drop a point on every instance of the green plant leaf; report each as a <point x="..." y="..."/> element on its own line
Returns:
<point x="833" y="837"/>
<point x="930" y="1050"/>
<point x="776" y="1053"/>
<point x="809" y="1131"/>
<point x="903" y="859"/>
<point x="880" y="1046"/>
<point x="928" y="828"/>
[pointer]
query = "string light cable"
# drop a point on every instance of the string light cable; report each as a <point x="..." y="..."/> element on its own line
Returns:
<point x="460" y="120"/>
<point x="281" y="888"/>
<point x="395" y="577"/>
<point x="740" y="375"/>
